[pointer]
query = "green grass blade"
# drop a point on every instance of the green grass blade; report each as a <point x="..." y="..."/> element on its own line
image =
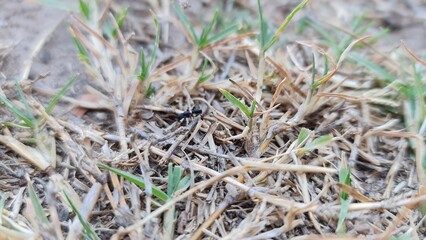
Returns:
<point x="252" y="108"/>
<point x="314" y="71"/>
<point x="84" y="9"/>
<point x="17" y="112"/>
<point x="175" y="181"/>
<point x="263" y="35"/>
<point x="344" y="178"/>
<point x="136" y="180"/>
<point x="156" y="43"/>
<point x="203" y="76"/>
<point x="120" y="21"/>
<point x="186" y="23"/>
<point x="12" y="124"/>
<point x="38" y="209"/>
<point x="25" y="102"/>
<point x="83" y="55"/>
<point x="303" y="137"/>
<point x="373" y="67"/>
<point x="325" y="66"/>
<point x="206" y="32"/>
<point x="284" y="25"/>
<point x="177" y="175"/>
<point x="236" y="102"/>
<point x="342" y="216"/>
<point x="419" y="97"/>
<point x="170" y="180"/>
<point x="319" y="142"/>
<point x="326" y="34"/>
<point x="60" y="94"/>
<point x="149" y="91"/>
<point x="88" y="229"/>
<point x="184" y="183"/>
<point x="144" y="67"/>
<point x="223" y="34"/>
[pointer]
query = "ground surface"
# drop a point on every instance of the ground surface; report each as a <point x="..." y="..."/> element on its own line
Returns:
<point x="281" y="184"/>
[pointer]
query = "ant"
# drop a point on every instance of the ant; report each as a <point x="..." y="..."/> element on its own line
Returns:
<point x="194" y="112"/>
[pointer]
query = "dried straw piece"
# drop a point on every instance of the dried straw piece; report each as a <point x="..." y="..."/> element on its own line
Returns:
<point x="30" y="154"/>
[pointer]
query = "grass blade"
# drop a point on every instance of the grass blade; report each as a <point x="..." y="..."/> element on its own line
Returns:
<point x="263" y="35"/>
<point x="88" y="229"/>
<point x="319" y="142"/>
<point x="120" y="20"/>
<point x="60" y="94"/>
<point x="184" y="183"/>
<point x="143" y="75"/>
<point x="344" y="178"/>
<point x="38" y="209"/>
<point x="136" y="180"/>
<point x="84" y="9"/>
<point x="21" y="94"/>
<point x="83" y="55"/>
<point x="303" y="137"/>
<point x="156" y="43"/>
<point x="203" y="76"/>
<point x="206" y="31"/>
<point x="223" y="34"/>
<point x="186" y="23"/>
<point x="235" y="101"/>
<point x="252" y="108"/>
<point x="170" y="180"/>
<point x="373" y="67"/>
<point x="284" y="25"/>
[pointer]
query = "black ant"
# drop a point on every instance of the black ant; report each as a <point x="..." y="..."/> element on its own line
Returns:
<point x="194" y="112"/>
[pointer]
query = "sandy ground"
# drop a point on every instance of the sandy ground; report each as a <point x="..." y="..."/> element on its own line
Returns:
<point x="25" y="24"/>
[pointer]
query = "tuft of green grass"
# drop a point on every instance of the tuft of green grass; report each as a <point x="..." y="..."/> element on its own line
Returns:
<point x="206" y="37"/>
<point x="26" y="118"/>
<point x="338" y="41"/>
<point x="176" y="181"/>
<point x="25" y="115"/>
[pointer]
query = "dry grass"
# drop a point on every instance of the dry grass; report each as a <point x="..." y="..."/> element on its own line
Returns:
<point x="270" y="175"/>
